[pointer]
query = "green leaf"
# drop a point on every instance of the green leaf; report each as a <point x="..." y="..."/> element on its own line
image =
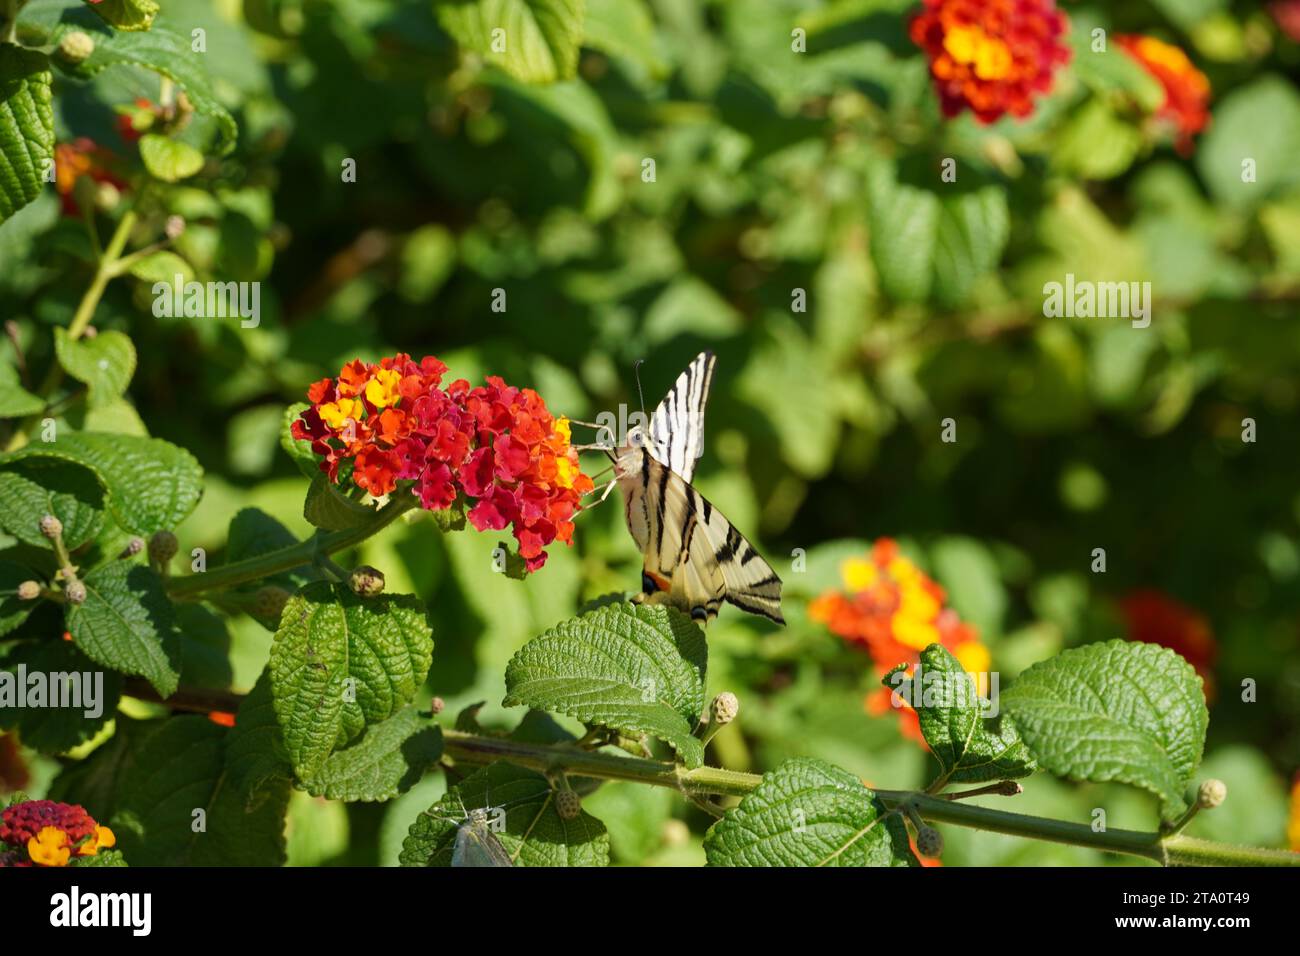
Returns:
<point x="1258" y="122"/>
<point x="95" y="781"/>
<point x="101" y="858"/>
<point x="970" y="747"/>
<point x="35" y="486"/>
<point x="13" y="611"/>
<point x="178" y="809"/>
<point x="160" y="49"/>
<point x="541" y="37"/>
<point x="170" y="160"/>
<point x="1118" y="710"/>
<point x="205" y="647"/>
<point x="105" y="363"/>
<point x="256" y="759"/>
<point x="340" y="662"/>
<point x="62" y="675"/>
<point x="126" y="14"/>
<point x="330" y="510"/>
<point x="1095" y="143"/>
<point x="638" y="669"/>
<point x="163" y="266"/>
<point x="299" y="451"/>
<point x="152" y="484"/>
<point x="388" y="759"/>
<point x="16" y="401"/>
<point x="809" y="813"/>
<point x="532" y="832"/>
<point x="26" y="126"/>
<point x="127" y="623"/>
<point x="253" y="532"/>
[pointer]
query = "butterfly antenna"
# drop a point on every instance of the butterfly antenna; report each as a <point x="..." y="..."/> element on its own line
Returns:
<point x="636" y="370"/>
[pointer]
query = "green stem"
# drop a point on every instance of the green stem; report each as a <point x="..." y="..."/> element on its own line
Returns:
<point x="294" y="556"/>
<point x="104" y="273"/>
<point x="1168" y="850"/>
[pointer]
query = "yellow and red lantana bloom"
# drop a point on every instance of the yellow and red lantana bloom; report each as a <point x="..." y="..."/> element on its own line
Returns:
<point x="893" y="610"/>
<point x="1187" y="90"/>
<point x="46" y="833"/>
<point x="992" y="57"/>
<point x="497" y="446"/>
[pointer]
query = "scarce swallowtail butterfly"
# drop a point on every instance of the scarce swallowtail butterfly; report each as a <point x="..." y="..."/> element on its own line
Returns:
<point x="694" y="557"/>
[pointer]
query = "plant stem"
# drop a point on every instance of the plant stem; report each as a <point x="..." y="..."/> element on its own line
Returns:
<point x="286" y="559"/>
<point x="104" y="273"/>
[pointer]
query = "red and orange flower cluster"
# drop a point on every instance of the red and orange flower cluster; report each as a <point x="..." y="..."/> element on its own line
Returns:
<point x="1187" y="91"/>
<point x="895" y="611"/>
<point x="499" y="446"/>
<point x="991" y="56"/>
<point x="82" y="157"/>
<point x="45" y="833"/>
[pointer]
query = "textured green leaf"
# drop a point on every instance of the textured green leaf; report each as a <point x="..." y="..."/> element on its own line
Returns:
<point x="152" y="484"/>
<point x="170" y="160"/>
<point x="13" y="611"/>
<point x="970" y="747"/>
<point x="388" y="759"/>
<point x="340" y="662"/>
<point x="1118" y="710"/>
<point x="102" y="858"/>
<point x="127" y="14"/>
<point x="26" y="126"/>
<point x="205" y="647"/>
<point x="541" y="37"/>
<point x="160" y="49"/>
<point x="299" y="451"/>
<point x="531" y="832"/>
<point x="105" y="363"/>
<point x="330" y="510"/>
<point x="256" y="759"/>
<point x="179" y="770"/>
<point x="127" y="623"/>
<point x="636" y="668"/>
<point x="95" y="781"/>
<point x="37" y="485"/>
<point x="16" y="401"/>
<point x="254" y="532"/>
<point x="55" y="729"/>
<point x="809" y="813"/>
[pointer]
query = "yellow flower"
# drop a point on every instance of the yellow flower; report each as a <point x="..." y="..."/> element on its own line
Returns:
<point x="917" y="632"/>
<point x="971" y="45"/>
<point x="382" y="389"/>
<point x="859" y="573"/>
<point x="973" y="657"/>
<point x="565" y="471"/>
<point x="101" y="839"/>
<point x="562" y="429"/>
<point x="334" y="414"/>
<point x="49" y="847"/>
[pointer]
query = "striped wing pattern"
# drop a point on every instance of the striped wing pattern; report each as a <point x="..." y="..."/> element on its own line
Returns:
<point x="677" y="425"/>
<point x="694" y="557"/>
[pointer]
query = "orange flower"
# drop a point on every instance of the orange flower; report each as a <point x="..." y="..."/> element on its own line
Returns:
<point x="894" y="611"/>
<point x="991" y="56"/>
<point x="1187" y="91"/>
<point x="72" y="161"/>
<point x="1155" y="618"/>
<point x="50" y="847"/>
<point x="49" y="832"/>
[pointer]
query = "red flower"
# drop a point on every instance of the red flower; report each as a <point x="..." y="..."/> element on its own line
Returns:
<point x="82" y="157"/>
<point x="1155" y="618"/>
<point x="497" y="445"/>
<point x="47" y="834"/>
<point x="1187" y="91"/>
<point x="1287" y="15"/>
<point x="991" y="56"/>
<point x="894" y="611"/>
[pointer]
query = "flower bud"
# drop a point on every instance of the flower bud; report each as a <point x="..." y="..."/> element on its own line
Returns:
<point x="51" y="527"/>
<point x="436" y="706"/>
<point x="366" y="581"/>
<point x="29" y="591"/>
<point x="1211" y="794"/>
<point x="929" y="842"/>
<point x="75" y="592"/>
<point x="133" y="547"/>
<point x="725" y="708"/>
<point x="76" y="46"/>
<point x="269" y="601"/>
<point x="162" y="547"/>
<point x="567" y="804"/>
<point x="107" y="197"/>
<point x="175" y="227"/>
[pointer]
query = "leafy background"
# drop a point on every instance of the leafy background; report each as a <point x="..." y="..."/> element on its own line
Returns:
<point x="774" y="171"/>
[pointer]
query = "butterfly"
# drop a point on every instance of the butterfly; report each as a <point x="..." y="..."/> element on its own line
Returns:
<point x="694" y="558"/>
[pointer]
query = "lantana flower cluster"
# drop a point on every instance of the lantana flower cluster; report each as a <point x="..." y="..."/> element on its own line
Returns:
<point x="894" y="610"/>
<point x="991" y="56"/>
<point x="46" y="833"/>
<point x="496" y="445"/>
<point x="1187" y="91"/>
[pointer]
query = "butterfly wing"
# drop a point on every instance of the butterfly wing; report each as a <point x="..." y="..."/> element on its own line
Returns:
<point x="694" y="557"/>
<point x="677" y="426"/>
<point x="476" y="845"/>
